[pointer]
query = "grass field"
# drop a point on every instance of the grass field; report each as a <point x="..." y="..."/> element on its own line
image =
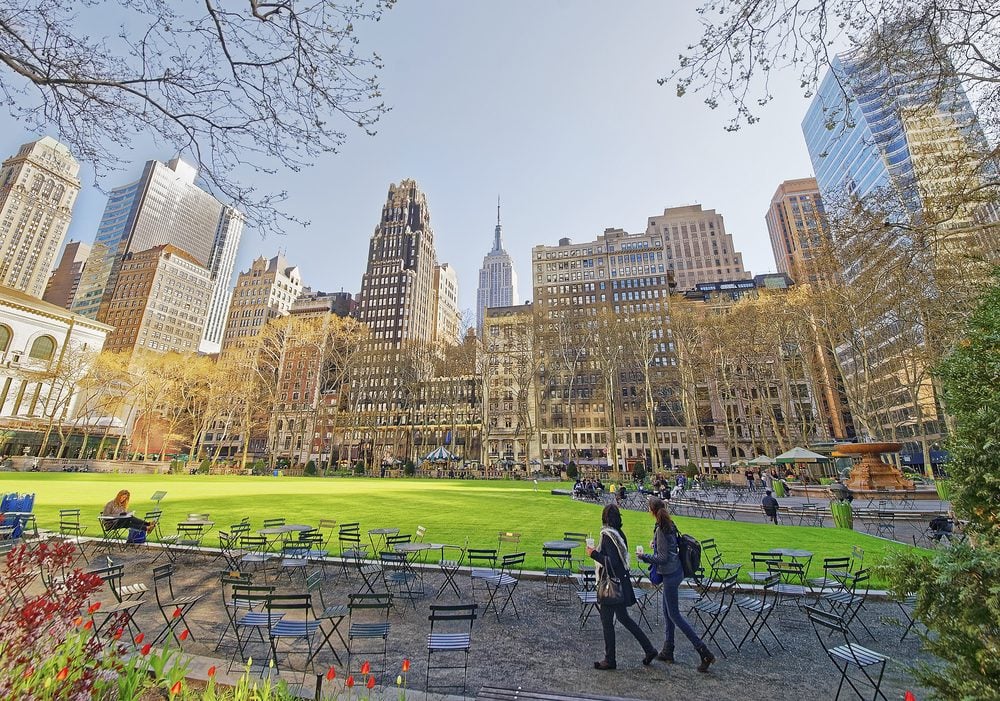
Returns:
<point x="454" y="512"/>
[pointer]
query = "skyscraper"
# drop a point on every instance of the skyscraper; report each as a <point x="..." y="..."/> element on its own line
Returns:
<point x="695" y="244"/>
<point x="227" y="241"/>
<point x="397" y="290"/>
<point x="38" y="186"/>
<point x="867" y="117"/>
<point x="65" y="279"/>
<point x="164" y="206"/>
<point x="497" y="278"/>
<point x="796" y="225"/>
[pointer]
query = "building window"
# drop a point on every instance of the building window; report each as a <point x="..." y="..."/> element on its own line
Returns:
<point x="43" y="348"/>
<point x="5" y="336"/>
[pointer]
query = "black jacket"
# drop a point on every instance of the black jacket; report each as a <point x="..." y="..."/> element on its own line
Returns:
<point x="665" y="558"/>
<point x="607" y="554"/>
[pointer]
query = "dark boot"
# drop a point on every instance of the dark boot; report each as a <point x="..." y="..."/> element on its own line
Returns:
<point x="650" y="656"/>
<point x="707" y="658"/>
<point x="605" y="665"/>
<point x="666" y="653"/>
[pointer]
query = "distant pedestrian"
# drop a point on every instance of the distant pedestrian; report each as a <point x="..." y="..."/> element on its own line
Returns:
<point x="770" y="506"/>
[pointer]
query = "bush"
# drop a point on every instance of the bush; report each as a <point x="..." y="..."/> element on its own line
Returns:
<point x="409" y="469"/>
<point x="310" y="469"/>
<point x="691" y="470"/>
<point x="205" y="467"/>
<point x="359" y="468"/>
<point x="571" y="470"/>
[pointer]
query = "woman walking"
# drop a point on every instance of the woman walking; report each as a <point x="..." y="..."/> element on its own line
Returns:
<point x="612" y="556"/>
<point x="668" y="563"/>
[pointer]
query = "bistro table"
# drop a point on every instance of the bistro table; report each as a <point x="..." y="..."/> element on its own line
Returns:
<point x="795" y="555"/>
<point x="412" y="551"/>
<point x="273" y="533"/>
<point x="562" y="544"/>
<point x="377" y="536"/>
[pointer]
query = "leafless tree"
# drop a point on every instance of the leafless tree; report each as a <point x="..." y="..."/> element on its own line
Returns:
<point x="240" y="86"/>
<point x="744" y="42"/>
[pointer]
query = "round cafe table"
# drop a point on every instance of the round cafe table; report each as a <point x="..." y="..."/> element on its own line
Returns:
<point x="795" y="555"/>
<point x="562" y="544"/>
<point x="377" y="536"/>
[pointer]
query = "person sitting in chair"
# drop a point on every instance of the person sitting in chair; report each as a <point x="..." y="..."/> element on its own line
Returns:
<point x="770" y="506"/>
<point x="117" y="515"/>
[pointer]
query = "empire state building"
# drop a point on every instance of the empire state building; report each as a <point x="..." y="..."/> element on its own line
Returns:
<point x="497" y="279"/>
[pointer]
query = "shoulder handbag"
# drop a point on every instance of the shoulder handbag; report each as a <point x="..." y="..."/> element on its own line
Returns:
<point x="609" y="587"/>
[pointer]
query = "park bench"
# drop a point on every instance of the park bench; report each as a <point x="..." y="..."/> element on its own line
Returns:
<point x="495" y="693"/>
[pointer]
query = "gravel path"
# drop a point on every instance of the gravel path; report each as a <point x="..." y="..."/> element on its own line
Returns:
<point x="546" y="649"/>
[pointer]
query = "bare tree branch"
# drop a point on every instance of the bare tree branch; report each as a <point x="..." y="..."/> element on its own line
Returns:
<point x="242" y="88"/>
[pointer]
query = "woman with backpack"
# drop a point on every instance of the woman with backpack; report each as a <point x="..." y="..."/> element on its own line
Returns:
<point x="612" y="559"/>
<point x="666" y="560"/>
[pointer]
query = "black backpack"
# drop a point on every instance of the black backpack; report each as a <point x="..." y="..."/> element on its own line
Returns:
<point x="689" y="551"/>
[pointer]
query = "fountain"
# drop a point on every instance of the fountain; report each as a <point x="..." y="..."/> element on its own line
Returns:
<point x="871" y="474"/>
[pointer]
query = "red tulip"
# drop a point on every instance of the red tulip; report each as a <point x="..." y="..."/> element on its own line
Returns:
<point x="146" y="648"/>
<point x="350" y="681"/>
<point x="909" y="696"/>
<point x="28" y="672"/>
<point x="177" y="612"/>
<point x="139" y="638"/>
<point x="331" y="674"/>
<point x="184" y="634"/>
<point x="78" y="621"/>
<point x="118" y="634"/>
<point x="211" y="671"/>
<point x="63" y="673"/>
<point x="175" y="689"/>
<point x="94" y="607"/>
<point x="406" y="665"/>
<point x="88" y="625"/>
<point x="371" y="683"/>
<point x="365" y="667"/>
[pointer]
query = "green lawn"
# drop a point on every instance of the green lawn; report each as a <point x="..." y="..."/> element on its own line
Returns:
<point x="453" y="511"/>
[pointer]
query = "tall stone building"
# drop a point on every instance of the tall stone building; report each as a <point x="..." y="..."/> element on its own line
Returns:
<point x="448" y="320"/>
<point x="164" y="206"/>
<point x="65" y="279"/>
<point x="696" y="246"/>
<point x="586" y="293"/>
<point x="265" y="291"/>
<point x="159" y="302"/>
<point x="511" y="431"/>
<point x="497" y="278"/>
<point x="797" y="226"/>
<point x="38" y="187"/>
<point x="397" y="299"/>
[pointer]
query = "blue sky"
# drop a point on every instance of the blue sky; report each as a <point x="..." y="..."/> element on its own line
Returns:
<point x="552" y="105"/>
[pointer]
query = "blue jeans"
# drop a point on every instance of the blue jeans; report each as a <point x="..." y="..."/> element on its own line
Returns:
<point x="672" y="612"/>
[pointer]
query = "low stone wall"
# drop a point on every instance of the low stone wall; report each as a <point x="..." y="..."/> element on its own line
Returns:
<point x="26" y="464"/>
